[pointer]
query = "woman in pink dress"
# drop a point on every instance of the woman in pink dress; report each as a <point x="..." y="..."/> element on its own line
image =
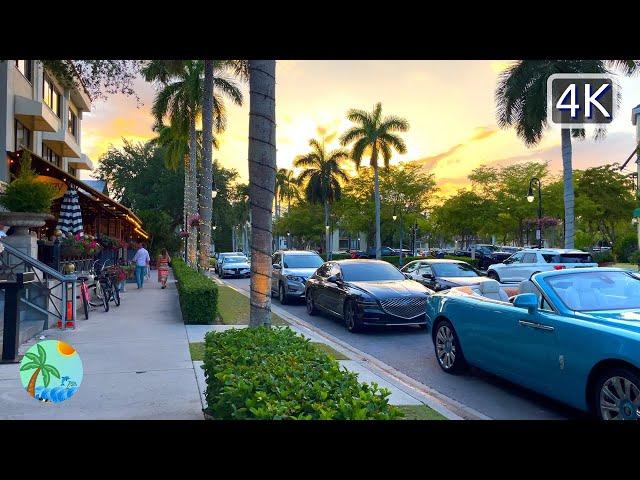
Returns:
<point x="163" y="267"/>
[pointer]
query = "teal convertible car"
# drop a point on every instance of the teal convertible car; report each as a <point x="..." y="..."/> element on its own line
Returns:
<point x="572" y="335"/>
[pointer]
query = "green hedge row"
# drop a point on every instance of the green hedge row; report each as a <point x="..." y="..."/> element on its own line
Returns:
<point x="275" y="374"/>
<point x="198" y="294"/>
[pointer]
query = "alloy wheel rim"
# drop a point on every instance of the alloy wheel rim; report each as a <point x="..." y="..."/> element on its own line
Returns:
<point x="620" y="399"/>
<point x="445" y="347"/>
<point x="309" y="304"/>
<point x="350" y="321"/>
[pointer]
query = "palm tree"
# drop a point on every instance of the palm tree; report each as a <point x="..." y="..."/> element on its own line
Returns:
<point x="262" y="172"/>
<point x="289" y="189"/>
<point x="521" y="97"/>
<point x="213" y="108"/>
<point x="321" y="177"/>
<point x="39" y="363"/>
<point x="181" y="100"/>
<point x="374" y="135"/>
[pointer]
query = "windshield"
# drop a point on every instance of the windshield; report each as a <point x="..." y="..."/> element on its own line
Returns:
<point x="453" y="270"/>
<point x="235" y="260"/>
<point x="302" y="261"/>
<point x="567" y="258"/>
<point x="370" y="272"/>
<point x="592" y="291"/>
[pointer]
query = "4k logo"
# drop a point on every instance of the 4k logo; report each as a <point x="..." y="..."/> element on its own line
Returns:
<point x="578" y="100"/>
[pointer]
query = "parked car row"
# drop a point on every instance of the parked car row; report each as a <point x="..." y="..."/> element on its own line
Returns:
<point x="558" y="324"/>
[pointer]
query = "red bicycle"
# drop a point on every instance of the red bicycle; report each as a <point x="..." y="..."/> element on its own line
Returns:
<point x="85" y="295"/>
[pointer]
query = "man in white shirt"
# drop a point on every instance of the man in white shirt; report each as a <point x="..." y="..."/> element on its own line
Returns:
<point x="142" y="260"/>
<point x="2" y="232"/>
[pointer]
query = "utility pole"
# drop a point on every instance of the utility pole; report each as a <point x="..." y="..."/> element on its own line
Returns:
<point x="635" y="119"/>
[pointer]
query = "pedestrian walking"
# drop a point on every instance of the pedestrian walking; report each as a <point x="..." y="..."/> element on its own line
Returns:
<point x="163" y="267"/>
<point x="141" y="260"/>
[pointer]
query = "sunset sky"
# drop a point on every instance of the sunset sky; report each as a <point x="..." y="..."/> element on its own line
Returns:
<point x="449" y="104"/>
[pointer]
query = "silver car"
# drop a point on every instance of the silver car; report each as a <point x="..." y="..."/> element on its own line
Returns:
<point x="291" y="268"/>
<point x="235" y="266"/>
<point x="221" y="256"/>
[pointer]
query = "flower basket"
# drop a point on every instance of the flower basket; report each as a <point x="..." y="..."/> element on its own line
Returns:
<point x="71" y="251"/>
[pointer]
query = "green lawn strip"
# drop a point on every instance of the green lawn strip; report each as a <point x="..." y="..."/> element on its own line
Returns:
<point x="626" y="266"/>
<point x="336" y="355"/>
<point x="196" y="350"/>
<point x="420" y="412"/>
<point x="233" y="308"/>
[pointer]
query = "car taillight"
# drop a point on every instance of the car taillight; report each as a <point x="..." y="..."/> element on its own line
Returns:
<point x="559" y="267"/>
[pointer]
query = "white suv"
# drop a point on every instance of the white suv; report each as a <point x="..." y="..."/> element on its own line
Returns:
<point x="520" y="266"/>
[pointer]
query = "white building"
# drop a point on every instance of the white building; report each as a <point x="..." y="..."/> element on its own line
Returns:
<point x="38" y="113"/>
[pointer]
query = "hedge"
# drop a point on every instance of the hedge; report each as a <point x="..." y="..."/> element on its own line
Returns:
<point x="198" y="294"/>
<point x="275" y="374"/>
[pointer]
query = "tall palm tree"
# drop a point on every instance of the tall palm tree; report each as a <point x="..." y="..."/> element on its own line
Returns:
<point x="39" y="364"/>
<point x="321" y="176"/>
<point x="216" y="76"/>
<point x="289" y="189"/>
<point x="521" y="98"/>
<point x="262" y="172"/>
<point x="180" y="98"/>
<point x="374" y="135"/>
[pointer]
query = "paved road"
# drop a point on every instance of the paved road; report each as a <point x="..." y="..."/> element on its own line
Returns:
<point x="410" y="351"/>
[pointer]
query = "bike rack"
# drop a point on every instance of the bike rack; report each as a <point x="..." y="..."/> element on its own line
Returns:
<point x="13" y="262"/>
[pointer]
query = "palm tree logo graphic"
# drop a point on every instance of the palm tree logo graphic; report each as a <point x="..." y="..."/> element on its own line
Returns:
<point x="48" y="359"/>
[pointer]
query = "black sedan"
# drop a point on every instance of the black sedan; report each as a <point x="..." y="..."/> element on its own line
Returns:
<point x="441" y="274"/>
<point x="366" y="292"/>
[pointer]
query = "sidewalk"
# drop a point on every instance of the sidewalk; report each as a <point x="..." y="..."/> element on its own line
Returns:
<point x="136" y="364"/>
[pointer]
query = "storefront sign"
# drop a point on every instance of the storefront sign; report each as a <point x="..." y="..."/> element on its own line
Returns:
<point x="59" y="185"/>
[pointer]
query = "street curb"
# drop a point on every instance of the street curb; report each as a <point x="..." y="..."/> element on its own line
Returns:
<point x="446" y="406"/>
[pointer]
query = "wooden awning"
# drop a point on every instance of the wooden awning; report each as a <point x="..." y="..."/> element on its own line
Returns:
<point x="90" y="198"/>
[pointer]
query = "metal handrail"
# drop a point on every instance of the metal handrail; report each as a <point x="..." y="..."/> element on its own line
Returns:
<point x="34" y="262"/>
<point x="63" y="279"/>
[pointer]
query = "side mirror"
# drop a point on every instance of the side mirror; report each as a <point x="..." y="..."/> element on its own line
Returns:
<point x="276" y="266"/>
<point x="528" y="301"/>
<point x="334" y="279"/>
<point x="428" y="276"/>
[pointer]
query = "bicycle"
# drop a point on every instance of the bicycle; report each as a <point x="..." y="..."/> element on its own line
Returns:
<point x="111" y="275"/>
<point x="101" y="289"/>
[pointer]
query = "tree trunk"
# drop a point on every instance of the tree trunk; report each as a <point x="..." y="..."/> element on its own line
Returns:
<point x="207" y="160"/>
<point x="327" y="241"/>
<point x="31" y="388"/>
<point x="376" y="190"/>
<point x="262" y="175"/>
<point x="185" y="209"/>
<point x="567" y="176"/>
<point x="193" y="192"/>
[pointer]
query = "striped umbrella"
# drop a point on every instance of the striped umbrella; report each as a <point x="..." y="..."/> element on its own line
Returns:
<point x="70" y="220"/>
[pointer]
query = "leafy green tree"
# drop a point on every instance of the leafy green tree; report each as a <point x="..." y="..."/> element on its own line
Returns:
<point x="304" y="221"/>
<point x="521" y="98"/>
<point x="376" y="136"/>
<point x="161" y="229"/>
<point x="321" y="179"/>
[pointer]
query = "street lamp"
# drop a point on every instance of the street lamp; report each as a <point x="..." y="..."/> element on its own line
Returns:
<point x="214" y="193"/>
<point x="530" y="199"/>
<point x="636" y="221"/>
<point x="288" y="240"/>
<point x="327" y="241"/>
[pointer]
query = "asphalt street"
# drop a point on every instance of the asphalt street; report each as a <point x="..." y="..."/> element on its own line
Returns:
<point x="410" y="351"/>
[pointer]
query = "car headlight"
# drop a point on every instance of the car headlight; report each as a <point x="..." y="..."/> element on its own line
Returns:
<point x="296" y="278"/>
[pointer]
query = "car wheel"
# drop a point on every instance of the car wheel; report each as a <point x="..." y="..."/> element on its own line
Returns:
<point x="282" y="296"/>
<point x="617" y="395"/>
<point x="447" y="347"/>
<point x="351" y="320"/>
<point x="311" y="306"/>
<point x="493" y="276"/>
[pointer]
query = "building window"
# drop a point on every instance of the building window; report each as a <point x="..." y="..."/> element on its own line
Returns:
<point x="73" y="172"/>
<point x="51" y="96"/>
<point x="51" y="156"/>
<point x="25" y="68"/>
<point x="72" y="124"/>
<point x="23" y="136"/>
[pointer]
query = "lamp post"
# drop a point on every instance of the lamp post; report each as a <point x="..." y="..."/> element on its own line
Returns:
<point x="530" y="199"/>
<point x="636" y="221"/>
<point x="328" y="242"/>
<point x="288" y="240"/>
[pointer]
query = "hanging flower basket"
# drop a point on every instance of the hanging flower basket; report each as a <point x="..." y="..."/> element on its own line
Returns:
<point x="194" y="220"/>
<point x="184" y="234"/>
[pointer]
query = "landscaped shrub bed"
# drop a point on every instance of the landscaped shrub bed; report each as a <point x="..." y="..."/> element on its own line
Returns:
<point x="469" y="260"/>
<point x="198" y="294"/>
<point x="274" y="374"/>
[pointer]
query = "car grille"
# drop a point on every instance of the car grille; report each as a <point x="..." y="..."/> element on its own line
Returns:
<point x="404" y="307"/>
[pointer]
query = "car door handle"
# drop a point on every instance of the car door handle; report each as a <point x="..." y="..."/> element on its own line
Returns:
<point x="538" y="326"/>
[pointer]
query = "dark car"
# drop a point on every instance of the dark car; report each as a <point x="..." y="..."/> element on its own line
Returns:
<point x="487" y="255"/>
<point x="366" y="292"/>
<point x="438" y="274"/>
<point x="384" y="252"/>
